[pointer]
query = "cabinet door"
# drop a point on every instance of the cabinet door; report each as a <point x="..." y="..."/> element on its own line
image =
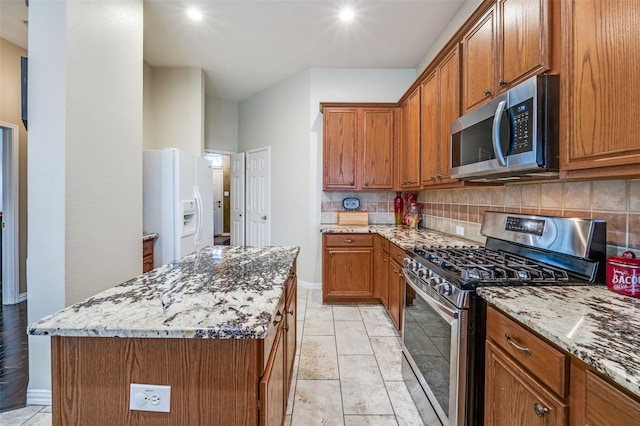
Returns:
<point x="601" y="126"/>
<point x="478" y="60"/>
<point x="383" y="276"/>
<point x="512" y="397"/>
<point x="290" y="339"/>
<point x="430" y="129"/>
<point x="272" y="385"/>
<point x="449" y="72"/>
<point x="524" y="48"/>
<point x="606" y="405"/>
<point x="349" y="272"/>
<point x="340" y="148"/>
<point x="396" y="284"/>
<point x="377" y="147"/>
<point x="409" y="162"/>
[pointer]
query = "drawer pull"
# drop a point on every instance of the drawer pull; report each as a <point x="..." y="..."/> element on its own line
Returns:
<point x="276" y="321"/>
<point x="517" y="346"/>
<point x="286" y="328"/>
<point x="349" y="241"/>
<point x="291" y="312"/>
<point x="540" y="410"/>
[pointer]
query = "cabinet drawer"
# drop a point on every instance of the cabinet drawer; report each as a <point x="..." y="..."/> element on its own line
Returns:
<point x="384" y="244"/>
<point x="349" y="240"/>
<point x="275" y="326"/>
<point x="147" y="263"/>
<point x="147" y="247"/>
<point x="542" y="360"/>
<point x="396" y="253"/>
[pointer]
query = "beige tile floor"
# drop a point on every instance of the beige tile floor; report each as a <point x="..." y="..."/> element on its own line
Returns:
<point x="346" y="372"/>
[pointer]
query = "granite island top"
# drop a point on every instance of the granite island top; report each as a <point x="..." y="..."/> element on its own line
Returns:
<point x="222" y="292"/>
<point x="404" y="237"/>
<point x="597" y="326"/>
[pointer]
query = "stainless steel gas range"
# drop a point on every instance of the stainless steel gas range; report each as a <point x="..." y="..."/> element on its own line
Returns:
<point x="443" y="329"/>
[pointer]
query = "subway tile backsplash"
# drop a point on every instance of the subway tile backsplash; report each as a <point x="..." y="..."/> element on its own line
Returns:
<point x="447" y="210"/>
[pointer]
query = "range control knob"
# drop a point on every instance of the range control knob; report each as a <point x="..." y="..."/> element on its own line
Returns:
<point x="422" y="273"/>
<point x="444" y="289"/>
<point x="407" y="261"/>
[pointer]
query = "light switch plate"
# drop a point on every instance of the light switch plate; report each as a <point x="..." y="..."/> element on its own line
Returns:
<point x="149" y="397"/>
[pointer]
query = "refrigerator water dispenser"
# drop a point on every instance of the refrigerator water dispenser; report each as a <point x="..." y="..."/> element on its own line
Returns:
<point x="188" y="214"/>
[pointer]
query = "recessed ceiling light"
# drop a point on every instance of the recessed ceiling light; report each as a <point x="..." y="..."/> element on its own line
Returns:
<point x="346" y="14"/>
<point x="194" y="14"/>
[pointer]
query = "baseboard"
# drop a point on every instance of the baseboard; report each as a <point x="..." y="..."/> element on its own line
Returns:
<point x="23" y="297"/>
<point x="305" y="284"/>
<point x="38" y="397"/>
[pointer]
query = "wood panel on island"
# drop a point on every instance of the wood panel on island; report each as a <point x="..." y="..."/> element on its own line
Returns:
<point x="530" y="379"/>
<point x="358" y="146"/>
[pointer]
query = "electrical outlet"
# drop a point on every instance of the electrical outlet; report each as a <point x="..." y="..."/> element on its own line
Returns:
<point x="149" y="397"/>
<point x="459" y="230"/>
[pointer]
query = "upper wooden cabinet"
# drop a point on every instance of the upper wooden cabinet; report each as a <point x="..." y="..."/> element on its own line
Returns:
<point x="409" y="146"/>
<point x="508" y="44"/>
<point x="358" y="147"/>
<point x="599" y="103"/>
<point x="440" y="106"/>
<point x="524" y="43"/>
<point x="479" y="57"/>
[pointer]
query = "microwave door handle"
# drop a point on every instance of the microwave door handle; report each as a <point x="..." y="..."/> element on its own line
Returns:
<point x="495" y="135"/>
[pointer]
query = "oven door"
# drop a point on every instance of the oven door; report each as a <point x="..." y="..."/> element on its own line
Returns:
<point x="435" y="349"/>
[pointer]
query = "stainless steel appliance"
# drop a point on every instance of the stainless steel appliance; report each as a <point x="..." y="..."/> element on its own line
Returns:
<point x="444" y="321"/>
<point x="512" y="137"/>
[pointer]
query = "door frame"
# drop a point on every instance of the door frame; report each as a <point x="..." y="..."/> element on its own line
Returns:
<point x="10" y="221"/>
<point x="230" y="154"/>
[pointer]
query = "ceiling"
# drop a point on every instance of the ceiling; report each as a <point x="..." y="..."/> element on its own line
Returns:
<point x="246" y="46"/>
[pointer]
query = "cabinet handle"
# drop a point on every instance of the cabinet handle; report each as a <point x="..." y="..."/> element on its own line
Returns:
<point x="395" y="271"/>
<point x="439" y="176"/>
<point x="349" y="241"/>
<point x="291" y="312"/>
<point x="401" y="276"/>
<point x="384" y="259"/>
<point x="487" y="92"/>
<point x="433" y="177"/>
<point x="366" y="183"/>
<point x="517" y="346"/>
<point x="540" y="410"/>
<point x="352" y="183"/>
<point x="501" y="82"/>
<point x="286" y="328"/>
<point x="278" y="314"/>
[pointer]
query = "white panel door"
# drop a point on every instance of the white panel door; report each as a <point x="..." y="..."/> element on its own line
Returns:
<point x="237" y="199"/>
<point x="259" y="197"/>
<point x="218" y="209"/>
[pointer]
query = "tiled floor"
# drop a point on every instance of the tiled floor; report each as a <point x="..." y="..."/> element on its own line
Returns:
<point x="347" y="370"/>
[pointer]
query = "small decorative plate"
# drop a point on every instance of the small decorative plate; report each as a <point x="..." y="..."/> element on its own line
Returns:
<point x="351" y="203"/>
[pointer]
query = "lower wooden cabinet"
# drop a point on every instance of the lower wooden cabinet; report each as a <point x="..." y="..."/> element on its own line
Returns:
<point x="512" y="396"/>
<point x="347" y="268"/>
<point x="530" y="381"/>
<point x="396" y="285"/>
<point x="147" y="255"/>
<point x="382" y="274"/>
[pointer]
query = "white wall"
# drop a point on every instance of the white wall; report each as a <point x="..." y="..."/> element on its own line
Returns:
<point x="85" y="143"/>
<point x="221" y="125"/>
<point x="287" y="118"/>
<point x="467" y="8"/>
<point x="177" y="109"/>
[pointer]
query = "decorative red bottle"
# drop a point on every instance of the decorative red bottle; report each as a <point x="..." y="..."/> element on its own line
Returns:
<point x="398" y="208"/>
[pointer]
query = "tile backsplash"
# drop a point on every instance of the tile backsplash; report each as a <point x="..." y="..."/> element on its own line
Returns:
<point x="616" y="201"/>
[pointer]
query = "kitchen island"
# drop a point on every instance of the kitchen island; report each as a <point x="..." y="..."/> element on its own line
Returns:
<point x="217" y="326"/>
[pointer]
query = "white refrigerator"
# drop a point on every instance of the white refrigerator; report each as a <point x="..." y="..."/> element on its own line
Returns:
<point x="178" y="203"/>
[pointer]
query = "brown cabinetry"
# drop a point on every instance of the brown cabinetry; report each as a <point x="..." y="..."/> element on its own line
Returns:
<point x="147" y="255"/>
<point x="479" y="56"/>
<point x="383" y="270"/>
<point x="396" y="285"/>
<point x="347" y="268"/>
<point x="509" y="43"/>
<point x="440" y="106"/>
<point x="599" y="102"/>
<point x="409" y="144"/>
<point x="358" y="146"/>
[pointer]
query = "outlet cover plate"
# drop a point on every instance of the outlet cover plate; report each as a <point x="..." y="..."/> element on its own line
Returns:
<point x="149" y="397"/>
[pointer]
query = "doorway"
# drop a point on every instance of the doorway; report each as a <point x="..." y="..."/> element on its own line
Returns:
<point x="220" y="164"/>
<point x="9" y="136"/>
<point x="258" y="197"/>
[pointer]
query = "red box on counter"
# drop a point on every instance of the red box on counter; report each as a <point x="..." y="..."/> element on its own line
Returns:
<point x="623" y="274"/>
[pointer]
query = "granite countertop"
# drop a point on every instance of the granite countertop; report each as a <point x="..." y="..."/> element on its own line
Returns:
<point x="149" y="236"/>
<point x="222" y="292"/>
<point x="403" y="237"/>
<point x="597" y="326"/>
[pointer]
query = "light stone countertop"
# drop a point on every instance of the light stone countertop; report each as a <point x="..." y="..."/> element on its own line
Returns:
<point x="221" y="292"/>
<point x="401" y="236"/>
<point x="149" y="236"/>
<point x="597" y="326"/>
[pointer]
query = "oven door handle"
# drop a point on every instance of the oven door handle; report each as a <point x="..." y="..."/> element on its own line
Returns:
<point x="448" y="314"/>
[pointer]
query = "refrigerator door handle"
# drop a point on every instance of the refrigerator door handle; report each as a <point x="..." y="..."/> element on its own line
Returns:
<point x="199" y="212"/>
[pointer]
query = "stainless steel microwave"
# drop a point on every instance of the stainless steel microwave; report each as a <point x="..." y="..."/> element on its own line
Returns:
<point x="513" y="137"/>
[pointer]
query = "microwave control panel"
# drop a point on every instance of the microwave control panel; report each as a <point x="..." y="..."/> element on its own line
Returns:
<point x="521" y="117"/>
